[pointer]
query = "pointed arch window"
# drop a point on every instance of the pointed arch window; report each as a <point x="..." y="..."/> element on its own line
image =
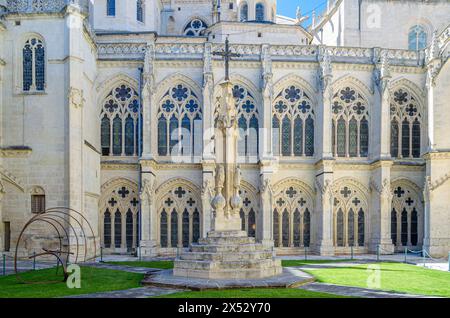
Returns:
<point x="350" y="123"/>
<point x="120" y="120"/>
<point x="244" y="12"/>
<point x="195" y="27"/>
<point x="129" y="230"/>
<point x="406" y="220"/>
<point x="33" y="56"/>
<point x="181" y="226"/>
<point x="417" y="38"/>
<point x="179" y="117"/>
<point x="292" y="109"/>
<point x="259" y="12"/>
<point x="406" y="119"/>
<point x="349" y="212"/>
<point x="292" y="227"/>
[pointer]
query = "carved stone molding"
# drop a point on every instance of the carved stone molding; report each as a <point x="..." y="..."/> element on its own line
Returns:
<point x="76" y="98"/>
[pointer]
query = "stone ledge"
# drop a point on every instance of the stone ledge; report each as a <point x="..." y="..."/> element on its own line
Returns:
<point x="290" y="278"/>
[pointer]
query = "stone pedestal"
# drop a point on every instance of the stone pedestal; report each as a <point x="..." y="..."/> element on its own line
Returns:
<point x="227" y="255"/>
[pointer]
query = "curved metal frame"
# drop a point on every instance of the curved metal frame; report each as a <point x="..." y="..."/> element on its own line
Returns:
<point x="51" y="216"/>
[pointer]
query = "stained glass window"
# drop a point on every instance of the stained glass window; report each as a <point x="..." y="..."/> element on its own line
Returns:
<point x="195" y="226"/>
<point x="163" y="229"/>
<point x="340" y="228"/>
<point x="293" y="109"/>
<point x="244" y="12"/>
<point x="117" y="136"/>
<point x="129" y="229"/>
<point x="306" y="228"/>
<point x="285" y="229"/>
<point x="139" y="11"/>
<point x="417" y="38"/>
<point x="405" y="139"/>
<point x="185" y="228"/>
<point x="353" y="138"/>
<point x="364" y="138"/>
<point x="129" y="136"/>
<point x="180" y="111"/>
<point x="298" y="136"/>
<point x="416" y="139"/>
<point x="121" y="110"/>
<point x="162" y="136"/>
<point x="361" y="227"/>
<point x="297" y="225"/>
<point x="351" y="121"/>
<point x="251" y="223"/>
<point x="107" y="229"/>
<point x="111" y="7"/>
<point x="195" y="27"/>
<point x="394" y="226"/>
<point x="351" y="227"/>
<point x="286" y="137"/>
<point x="259" y="12"/>
<point x="33" y="55"/>
<point x="309" y="137"/>
<point x="341" y="143"/>
<point x="40" y="67"/>
<point x="404" y="228"/>
<point x="394" y="138"/>
<point x="174" y="228"/>
<point x="276" y="233"/>
<point x="242" y="215"/>
<point x="117" y="229"/>
<point x="405" y="110"/>
<point x="414" y="234"/>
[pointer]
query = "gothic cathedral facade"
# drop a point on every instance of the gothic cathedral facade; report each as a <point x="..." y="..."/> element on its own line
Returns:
<point x="109" y="107"/>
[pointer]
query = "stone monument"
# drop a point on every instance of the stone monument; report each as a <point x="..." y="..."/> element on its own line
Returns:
<point x="227" y="252"/>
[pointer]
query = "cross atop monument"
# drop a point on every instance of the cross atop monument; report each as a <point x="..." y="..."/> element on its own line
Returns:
<point x="227" y="55"/>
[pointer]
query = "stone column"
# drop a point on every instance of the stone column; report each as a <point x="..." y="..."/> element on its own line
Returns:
<point x="325" y="76"/>
<point x="265" y="218"/>
<point x="324" y="209"/>
<point x="380" y="213"/>
<point x="208" y="104"/>
<point x="207" y="196"/>
<point x="149" y="111"/>
<point x="265" y="131"/>
<point x="149" y="220"/>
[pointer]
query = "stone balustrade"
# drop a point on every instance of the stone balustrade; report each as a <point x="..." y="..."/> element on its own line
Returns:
<point x="253" y="51"/>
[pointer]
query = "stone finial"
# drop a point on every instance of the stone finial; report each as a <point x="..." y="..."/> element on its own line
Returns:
<point x="433" y="52"/>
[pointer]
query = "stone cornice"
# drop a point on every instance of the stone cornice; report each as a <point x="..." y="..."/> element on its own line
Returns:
<point x="437" y="155"/>
<point x="15" y="152"/>
<point x="120" y="166"/>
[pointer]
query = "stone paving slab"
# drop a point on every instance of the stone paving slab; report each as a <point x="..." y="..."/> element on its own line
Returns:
<point x="290" y="278"/>
<point x="142" y="292"/>
<point x="357" y="291"/>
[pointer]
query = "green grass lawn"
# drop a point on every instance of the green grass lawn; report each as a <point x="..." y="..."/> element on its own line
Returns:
<point x="93" y="280"/>
<point x="396" y="277"/>
<point x="252" y="293"/>
<point x="294" y="263"/>
<point x="146" y="264"/>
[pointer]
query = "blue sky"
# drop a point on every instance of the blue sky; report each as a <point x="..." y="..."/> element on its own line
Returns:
<point x="289" y="7"/>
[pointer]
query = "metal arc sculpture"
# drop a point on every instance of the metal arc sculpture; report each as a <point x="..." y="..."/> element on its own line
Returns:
<point x="65" y="222"/>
